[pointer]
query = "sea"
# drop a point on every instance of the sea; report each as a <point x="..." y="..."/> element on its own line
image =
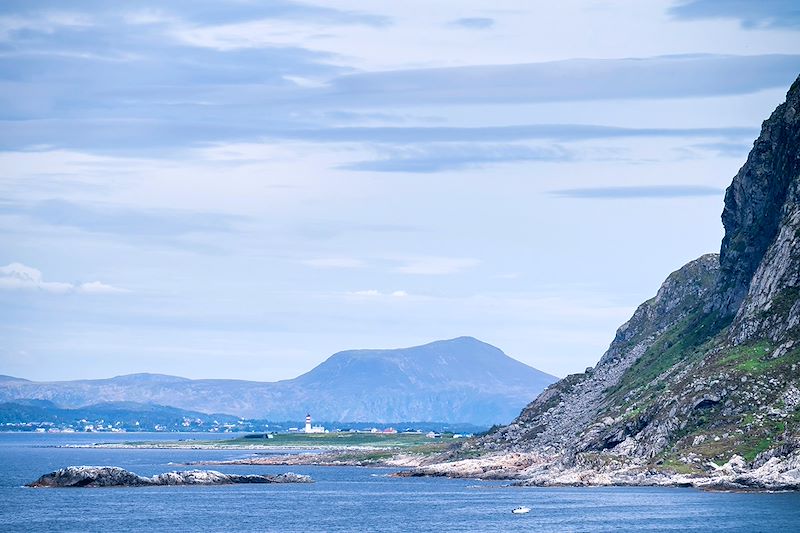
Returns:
<point x="343" y="498"/>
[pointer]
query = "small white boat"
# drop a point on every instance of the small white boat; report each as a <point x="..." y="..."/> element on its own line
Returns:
<point x="521" y="510"/>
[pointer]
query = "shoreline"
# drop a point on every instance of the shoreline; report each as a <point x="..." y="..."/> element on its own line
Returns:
<point x="530" y="469"/>
<point x="205" y="446"/>
<point x="519" y="470"/>
<point x="706" y="484"/>
<point x="412" y="463"/>
<point x="351" y="457"/>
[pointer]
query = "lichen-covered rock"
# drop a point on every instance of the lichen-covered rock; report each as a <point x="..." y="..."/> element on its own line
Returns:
<point x="113" y="476"/>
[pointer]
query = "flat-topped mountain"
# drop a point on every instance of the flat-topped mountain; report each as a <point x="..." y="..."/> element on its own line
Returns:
<point x="458" y="380"/>
<point x="462" y="361"/>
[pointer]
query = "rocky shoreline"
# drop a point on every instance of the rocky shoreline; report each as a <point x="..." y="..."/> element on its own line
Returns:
<point x="178" y="445"/>
<point x="530" y="469"/>
<point x="113" y="476"/>
<point x="533" y="470"/>
<point x="325" y="458"/>
<point x="520" y="469"/>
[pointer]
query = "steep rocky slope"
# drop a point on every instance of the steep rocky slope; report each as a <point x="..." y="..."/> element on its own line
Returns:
<point x="702" y="384"/>
<point x="460" y="380"/>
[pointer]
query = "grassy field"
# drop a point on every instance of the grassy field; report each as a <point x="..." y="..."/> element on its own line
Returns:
<point x="372" y="440"/>
<point x="398" y="442"/>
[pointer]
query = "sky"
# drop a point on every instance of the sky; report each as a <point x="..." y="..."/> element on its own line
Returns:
<point x="239" y="189"/>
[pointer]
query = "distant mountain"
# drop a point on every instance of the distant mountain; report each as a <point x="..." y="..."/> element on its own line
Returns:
<point x="121" y="415"/>
<point x="459" y="380"/>
<point x="3" y="377"/>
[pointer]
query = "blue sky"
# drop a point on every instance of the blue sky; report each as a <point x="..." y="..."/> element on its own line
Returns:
<point x="239" y="189"/>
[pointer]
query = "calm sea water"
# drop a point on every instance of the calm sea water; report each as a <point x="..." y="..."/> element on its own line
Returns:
<point x="346" y="499"/>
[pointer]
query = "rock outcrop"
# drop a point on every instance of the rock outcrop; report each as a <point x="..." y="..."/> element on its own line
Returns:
<point x="759" y="203"/>
<point x="702" y="385"/>
<point x="112" y="476"/>
<point x="762" y="232"/>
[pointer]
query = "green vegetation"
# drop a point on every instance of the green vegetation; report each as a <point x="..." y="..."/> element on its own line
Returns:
<point x="748" y="358"/>
<point x="633" y="413"/>
<point x="687" y="339"/>
<point x="373" y="440"/>
<point x="365" y="456"/>
<point x="754" y="358"/>
<point x="752" y="452"/>
<point x="470" y="454"/>
<point x="714" y="448"/>
<point x="679" y="467"/>
<point x="725" y="433"/>
<point x="782" y="302"/>
<point x="335" y="448"/>
<point x="397" y="441"/>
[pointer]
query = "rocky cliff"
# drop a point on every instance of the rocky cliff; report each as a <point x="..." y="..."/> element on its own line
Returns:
<point x="702" y="385"/>
<point x="760" y="259"/>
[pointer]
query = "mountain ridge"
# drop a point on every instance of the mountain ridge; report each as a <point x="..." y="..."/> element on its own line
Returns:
<point x="30" y="414"/>
<point x="455" y="380"/>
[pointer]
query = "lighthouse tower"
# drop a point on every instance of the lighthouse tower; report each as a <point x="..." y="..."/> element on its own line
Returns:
<point x="308" y="423"/>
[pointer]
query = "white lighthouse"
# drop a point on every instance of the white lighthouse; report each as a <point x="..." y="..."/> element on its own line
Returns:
<point x="312" y="429"/>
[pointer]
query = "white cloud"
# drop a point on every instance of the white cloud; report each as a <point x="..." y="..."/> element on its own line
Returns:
<point x="97" y="287"/>
<point x="252" y="34"/>
<point x="373" y="293"/>
<point x="435" y="266"/>
<point x="147" y="17"/>
<point x="46" y="22"/>
<point x="335" y="262"/>
<point x="369" y="292"/>
<point x="304" y="82"/>
<point x="522" y="33"/>
<point x="17" y="276"/>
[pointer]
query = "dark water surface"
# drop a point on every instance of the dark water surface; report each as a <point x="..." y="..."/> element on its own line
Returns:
<point x="345" y="499"/>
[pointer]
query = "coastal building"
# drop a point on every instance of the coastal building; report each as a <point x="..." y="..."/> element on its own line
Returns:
<point x="312" y="429"/>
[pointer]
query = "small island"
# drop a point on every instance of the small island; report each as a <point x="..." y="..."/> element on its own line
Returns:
<point x="113" y="476"/>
